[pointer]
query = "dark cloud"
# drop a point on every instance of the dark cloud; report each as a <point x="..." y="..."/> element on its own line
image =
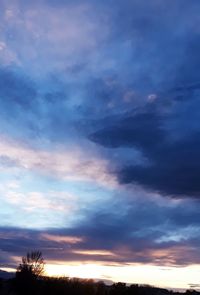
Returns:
<point x="174" y="165"/>
<point x="145" y="233"/>
<point x="174" y="171"/>
<point x="142" y="130"/>
<point x="167" y="132"/>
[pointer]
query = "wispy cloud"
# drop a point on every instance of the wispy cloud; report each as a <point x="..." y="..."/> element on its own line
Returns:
<point x="61" y="238"/>
<point x="73" y="164"/>
<point x="39" y="32"/>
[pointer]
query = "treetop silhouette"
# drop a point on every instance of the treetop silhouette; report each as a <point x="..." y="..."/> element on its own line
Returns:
<point x="32" y="264"/>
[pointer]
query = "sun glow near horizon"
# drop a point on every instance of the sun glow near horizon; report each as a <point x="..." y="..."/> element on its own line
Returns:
<point x="159" y="276"/>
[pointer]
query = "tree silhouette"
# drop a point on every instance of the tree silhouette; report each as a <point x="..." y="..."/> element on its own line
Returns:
<point x="32" y="264"/>
<point x="32" y="267"/>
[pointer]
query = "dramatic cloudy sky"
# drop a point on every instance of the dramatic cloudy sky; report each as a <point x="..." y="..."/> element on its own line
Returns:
<point x="100" y="138"/>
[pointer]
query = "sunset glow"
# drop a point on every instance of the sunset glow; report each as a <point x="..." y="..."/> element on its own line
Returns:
<point x="138" y="274"/>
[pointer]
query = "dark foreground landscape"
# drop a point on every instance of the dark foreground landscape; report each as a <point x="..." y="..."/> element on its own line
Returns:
<point x="75" y="286"/>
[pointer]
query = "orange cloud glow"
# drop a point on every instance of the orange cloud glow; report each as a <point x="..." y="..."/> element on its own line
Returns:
<point x="61" y="239"/>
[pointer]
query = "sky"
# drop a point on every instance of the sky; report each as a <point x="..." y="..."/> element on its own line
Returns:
<point x="100" y="138"/>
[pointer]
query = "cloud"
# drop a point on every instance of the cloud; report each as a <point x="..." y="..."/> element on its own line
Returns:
<point x="16" y="89"/>
<point x="7" y="56"/>
<point x="144" y="233"/>
<point x="67" y="164"/>
<point x="36" y="201"/>
<point x="174" y="170"/>
<point x="39" y="32"/>
<point x="142" y="129"/>
<point x="168" y="142"/>
<point x="61" y="238"/>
